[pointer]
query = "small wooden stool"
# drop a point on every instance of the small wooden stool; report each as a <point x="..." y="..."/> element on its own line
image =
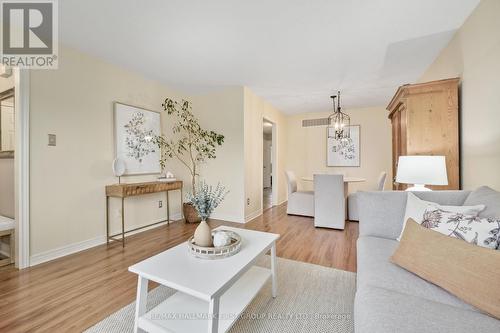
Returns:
<point x="7" y="228"/>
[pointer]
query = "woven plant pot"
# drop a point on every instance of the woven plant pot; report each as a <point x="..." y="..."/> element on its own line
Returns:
<point x="190" y="213"/>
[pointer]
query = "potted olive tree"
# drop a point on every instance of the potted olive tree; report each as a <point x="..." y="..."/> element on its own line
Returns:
<point x="190" y="144"/>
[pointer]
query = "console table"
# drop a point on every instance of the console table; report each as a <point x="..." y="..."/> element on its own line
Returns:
<point x="135" y="189"/>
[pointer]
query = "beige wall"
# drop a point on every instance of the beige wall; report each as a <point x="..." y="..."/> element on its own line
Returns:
<point x="474" y="56"/>
<point x="222" y="112"/>
<point x="256" y="109"/>
<point x="307" y="148"/>
<point x="75" y="102"/>
<point x="7" y="193"/>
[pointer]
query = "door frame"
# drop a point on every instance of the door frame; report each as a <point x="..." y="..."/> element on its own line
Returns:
<point x="274" y="172"/>
<point x="22" y="163"/>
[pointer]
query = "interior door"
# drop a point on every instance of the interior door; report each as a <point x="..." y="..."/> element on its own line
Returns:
<point x="267" y="167"/>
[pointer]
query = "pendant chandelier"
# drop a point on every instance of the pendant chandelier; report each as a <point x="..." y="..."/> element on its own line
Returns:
<point x="338" y="121"/>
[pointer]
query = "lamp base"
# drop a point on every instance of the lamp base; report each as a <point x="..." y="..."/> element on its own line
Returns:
<point x="418" y="188"/>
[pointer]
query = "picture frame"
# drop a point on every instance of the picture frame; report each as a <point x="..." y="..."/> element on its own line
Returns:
<point x="7" y="124"/>
<point x="342" y="154"/>
<point x="134" y="130"/>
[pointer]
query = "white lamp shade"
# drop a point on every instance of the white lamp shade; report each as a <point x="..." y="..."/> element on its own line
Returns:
<point x="425" y="170"/>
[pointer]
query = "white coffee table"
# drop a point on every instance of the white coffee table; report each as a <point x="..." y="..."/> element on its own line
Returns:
<point x="211" y="294"/>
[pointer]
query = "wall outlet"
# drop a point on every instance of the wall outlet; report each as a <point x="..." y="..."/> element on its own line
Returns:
<point x="160" y="204"/>
<point x="52" y="140"/>
<point x="248" y="201"/>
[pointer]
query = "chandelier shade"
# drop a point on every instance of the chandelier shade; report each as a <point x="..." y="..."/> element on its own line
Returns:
<point x="339" y="121"/>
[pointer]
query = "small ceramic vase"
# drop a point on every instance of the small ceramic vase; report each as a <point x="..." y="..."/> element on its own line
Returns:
<point x="203" y="235"/>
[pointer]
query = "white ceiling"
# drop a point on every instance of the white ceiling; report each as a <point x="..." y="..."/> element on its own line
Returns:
<point x="292" y="53"/>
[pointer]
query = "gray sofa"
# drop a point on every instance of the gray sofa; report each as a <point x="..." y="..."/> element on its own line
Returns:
<point x="391" y="299"/>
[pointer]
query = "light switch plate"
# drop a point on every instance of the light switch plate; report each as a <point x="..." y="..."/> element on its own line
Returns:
<point x="52" y="140"/>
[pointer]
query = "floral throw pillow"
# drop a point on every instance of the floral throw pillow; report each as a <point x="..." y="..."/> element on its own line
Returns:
<point x="484" y="232"/>
<point x="415" y="208"/>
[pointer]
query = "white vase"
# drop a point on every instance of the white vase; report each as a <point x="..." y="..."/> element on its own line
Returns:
<point x="203" y="235"/>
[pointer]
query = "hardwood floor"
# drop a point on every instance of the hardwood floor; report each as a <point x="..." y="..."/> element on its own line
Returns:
<point x="73" y="293"/>
<point x="267" y="200"/>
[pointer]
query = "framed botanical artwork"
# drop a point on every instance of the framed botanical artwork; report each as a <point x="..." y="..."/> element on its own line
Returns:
<point x="7" y="124"/>
<point x="344" y="152"/>
<point x="135" y="129"/>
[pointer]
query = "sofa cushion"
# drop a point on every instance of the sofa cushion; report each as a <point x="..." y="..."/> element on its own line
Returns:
<point x="378" y="310"/>
<point x="468" y="271"/>
<point x="381" y="213"/>
<point x="375" y="269"/>
<point x="485" y="196"/>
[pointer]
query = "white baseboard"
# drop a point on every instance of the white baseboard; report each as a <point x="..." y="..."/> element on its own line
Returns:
<point x="84" y="245"/>
<point x="228" y="218"/>
<point x="282" y="202"/>
<point x="66" y="250"/>
<point x="175" y="217"/>
<point x="253" y="215"/>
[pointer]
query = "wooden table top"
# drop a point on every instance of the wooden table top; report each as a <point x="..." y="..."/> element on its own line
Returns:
<point x="123" y="190"/>
<point x="346" y="179"/>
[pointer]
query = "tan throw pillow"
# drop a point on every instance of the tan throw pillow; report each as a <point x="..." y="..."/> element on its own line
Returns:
<point x="467" y="271"/>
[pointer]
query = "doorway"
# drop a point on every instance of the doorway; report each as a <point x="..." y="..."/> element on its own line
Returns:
<point x="268" y="164"/>
<point x="14" y="167"/>
<point x="7" y="171"/>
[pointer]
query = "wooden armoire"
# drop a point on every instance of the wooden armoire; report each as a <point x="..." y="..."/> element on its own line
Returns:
<point x="425" y="121"/>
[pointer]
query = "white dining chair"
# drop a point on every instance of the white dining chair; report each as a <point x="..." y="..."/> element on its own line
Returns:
<point x="352" y="199"/>
<point x="299" y="202"/>
<point x="329" y="201"/>
<point x="381" y="181"/>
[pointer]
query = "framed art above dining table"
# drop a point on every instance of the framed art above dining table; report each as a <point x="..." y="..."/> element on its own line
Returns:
<point x="344" y="152"/>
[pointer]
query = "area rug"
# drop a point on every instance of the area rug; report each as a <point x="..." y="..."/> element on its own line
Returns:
<point x="311" y="298"/>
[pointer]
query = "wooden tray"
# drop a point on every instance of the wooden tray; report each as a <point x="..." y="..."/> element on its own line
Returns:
<point x="216" y="252"/>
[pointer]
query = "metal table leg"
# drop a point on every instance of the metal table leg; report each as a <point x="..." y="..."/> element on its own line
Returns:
<point x="107" y="220"/>
<point x="123" y="222"/>
<point x="168" y="209"/>
<point x="182" y="205"/>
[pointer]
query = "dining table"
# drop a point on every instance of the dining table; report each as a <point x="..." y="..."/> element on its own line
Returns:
<point x="346" y="179"/>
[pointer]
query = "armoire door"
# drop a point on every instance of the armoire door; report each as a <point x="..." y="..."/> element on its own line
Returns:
<point x="425" y="121"/>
